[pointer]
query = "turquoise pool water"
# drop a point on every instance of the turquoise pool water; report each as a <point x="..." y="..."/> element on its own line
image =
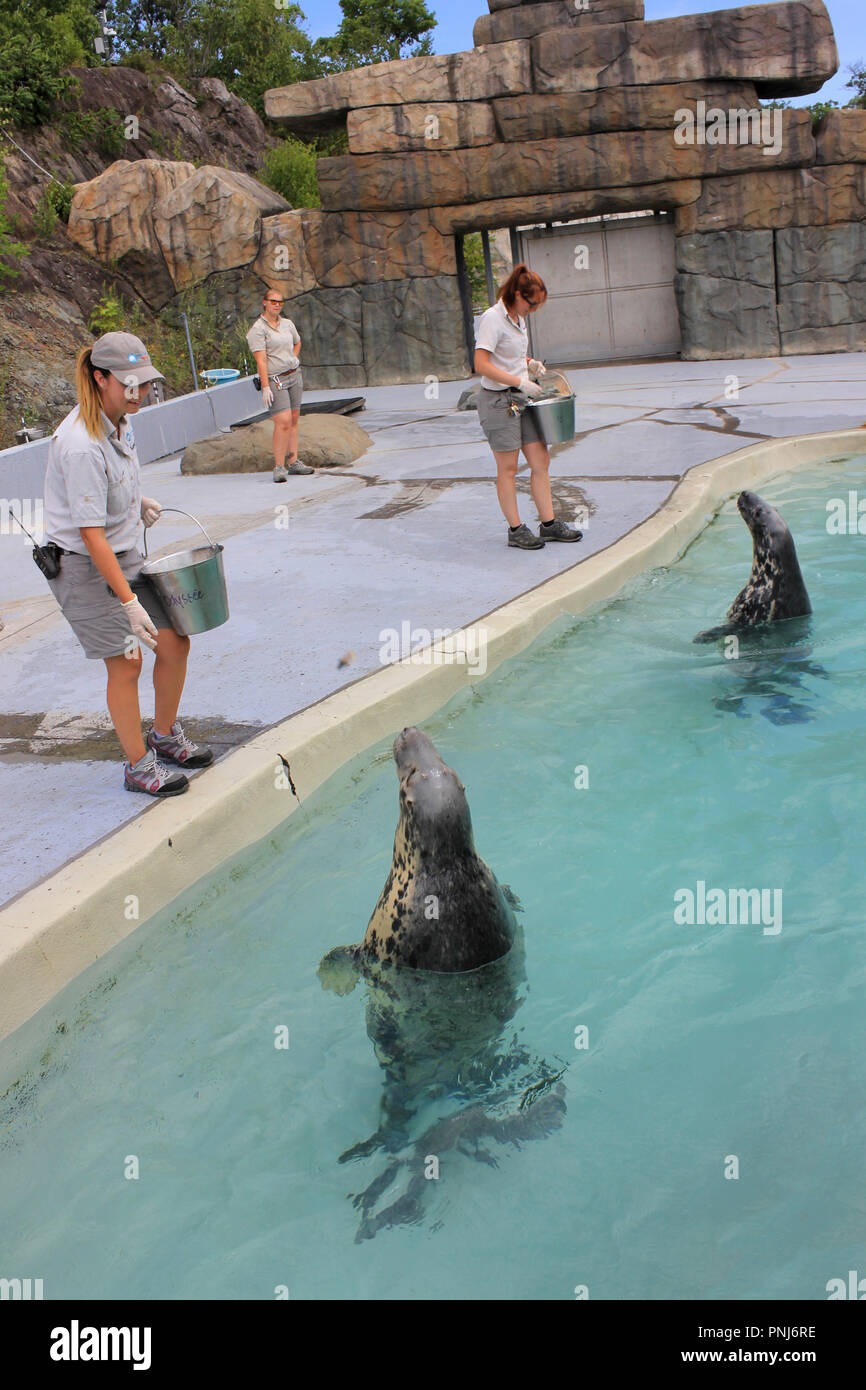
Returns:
<point x="707" y="1043"/>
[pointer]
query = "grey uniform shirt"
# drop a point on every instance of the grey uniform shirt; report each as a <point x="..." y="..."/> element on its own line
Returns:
<point x="277" y="342"/>
<point x="507" y="341"/>
<point x="92" y="482"/>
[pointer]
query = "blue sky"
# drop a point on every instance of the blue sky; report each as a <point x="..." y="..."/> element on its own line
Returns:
<point x="455" y="19"/>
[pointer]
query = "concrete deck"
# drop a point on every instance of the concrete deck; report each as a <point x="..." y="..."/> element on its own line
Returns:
<point x="410" y="534"/>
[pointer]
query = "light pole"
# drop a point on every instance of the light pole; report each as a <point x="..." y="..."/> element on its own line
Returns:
<point x="102" y="42"/>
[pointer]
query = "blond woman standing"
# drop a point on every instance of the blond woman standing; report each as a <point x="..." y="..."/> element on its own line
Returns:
<point x="93" y="511"/>
<point x="275" y="344"/>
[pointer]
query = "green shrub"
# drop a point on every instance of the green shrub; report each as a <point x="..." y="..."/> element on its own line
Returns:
<point x="44" y="217"/>
<point x="290" y="169"/>
<point x="10" y="249"/>
<point x="108" y="313"/>
<point x="473" y="256"/>
<point x="141" y="60"/>
<point x="60" y="196"/>
<point x="101" y="129"/>
<point x="31" y="81"/>
<point x="216" y="341"/>
<point x="819" y="109"/>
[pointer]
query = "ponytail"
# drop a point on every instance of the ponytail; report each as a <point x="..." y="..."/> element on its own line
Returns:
<point x="89" y="399"/>
<point x="524" y="281"/>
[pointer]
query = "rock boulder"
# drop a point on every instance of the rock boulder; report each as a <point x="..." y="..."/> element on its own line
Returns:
<point x="822" y="288"/>
<point x="841" y="138"/>
<point x="498" y="70"/>
<point x="786" y="49"/>
<point x="549" y="116"/>
<point x="726" y="294"/>
<point x="112" y="219"/>
<point x="523" y="21"/>
<point x="368" y="182"/>
<point x="432" y="125"/>
<point x="561" y="207"/>
<point x="827" y="193"/>
<point x="212" y="222"/>
<point x="324" y="441"/>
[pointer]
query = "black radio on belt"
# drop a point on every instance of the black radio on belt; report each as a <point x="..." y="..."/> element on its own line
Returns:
<point x="47" y="558"/>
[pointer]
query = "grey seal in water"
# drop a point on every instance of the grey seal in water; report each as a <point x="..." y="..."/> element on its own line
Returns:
<point x="443" y="963"/>
<point x="775" y="589"/>
<point x="441" y="907"/>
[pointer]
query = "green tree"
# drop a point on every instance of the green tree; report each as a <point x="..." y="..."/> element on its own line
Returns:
<point x="36" y="44"/>
<point x="143" y="25"/>
<point x="375" y="31"/>
<point x="858" y="82"/>
<point x="251" y="44"/>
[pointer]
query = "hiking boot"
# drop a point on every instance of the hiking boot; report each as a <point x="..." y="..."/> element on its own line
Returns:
<point x="280" y="474"/>
<point x="297" y="467"/>
<point x="524" y="539"/>
<point x="177" y="748"/>
<point x="558" y="531"/>
<point x="151" y="776"/>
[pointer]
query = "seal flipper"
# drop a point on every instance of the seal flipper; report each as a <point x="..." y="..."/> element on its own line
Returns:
<point x="511" y="897"/>
<point x="339" y="970"/>
<point x="712" y="633"/>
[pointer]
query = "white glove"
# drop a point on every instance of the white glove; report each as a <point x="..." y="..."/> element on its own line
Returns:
<point x="140" y="624"/>
<point x="150" y="511"/>
<point x="267" y="397"/>
<point x="530" y="388"/>
<point x="535" y="369"/>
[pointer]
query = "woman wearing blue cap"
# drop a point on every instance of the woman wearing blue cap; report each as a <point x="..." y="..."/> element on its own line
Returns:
<point x="93" y="508"/>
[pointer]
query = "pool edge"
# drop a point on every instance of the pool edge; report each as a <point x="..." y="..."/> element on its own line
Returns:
<point x="53" y="931"/>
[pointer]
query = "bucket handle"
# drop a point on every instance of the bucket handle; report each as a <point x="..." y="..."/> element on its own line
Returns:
<point x="550" y="372"/>
<point x="191" y="517"/>
<point x="562" y="378"/>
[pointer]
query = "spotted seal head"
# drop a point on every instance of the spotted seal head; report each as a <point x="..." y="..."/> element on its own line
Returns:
<point x="441" y="908"/>
<point x="775" y="589"/>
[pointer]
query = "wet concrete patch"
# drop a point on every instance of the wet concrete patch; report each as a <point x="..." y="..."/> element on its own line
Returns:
<point x="82" y="738"/>
<point x="421" y="491"/>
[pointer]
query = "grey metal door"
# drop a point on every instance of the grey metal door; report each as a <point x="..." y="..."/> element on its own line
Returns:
<point x="610" y="284"/>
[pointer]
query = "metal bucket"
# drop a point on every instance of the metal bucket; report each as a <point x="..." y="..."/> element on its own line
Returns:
<point x="191" y="584"/>
<point x="554" y="416"/>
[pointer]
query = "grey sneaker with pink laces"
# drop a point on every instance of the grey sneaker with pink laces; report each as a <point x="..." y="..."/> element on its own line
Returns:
<point x="177" y="748"/>
<point x="153" y="778"/>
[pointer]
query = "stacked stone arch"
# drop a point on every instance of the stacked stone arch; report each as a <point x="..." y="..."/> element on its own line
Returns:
<point x="564" y="109"/>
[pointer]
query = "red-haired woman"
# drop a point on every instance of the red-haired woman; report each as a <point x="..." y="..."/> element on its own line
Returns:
<point x="501" y="358"/>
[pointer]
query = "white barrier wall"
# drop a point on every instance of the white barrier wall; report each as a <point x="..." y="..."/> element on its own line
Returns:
<point x="159" y="430"/>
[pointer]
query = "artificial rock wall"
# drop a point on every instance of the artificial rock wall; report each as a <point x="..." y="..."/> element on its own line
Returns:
<point x="559" y="112"/>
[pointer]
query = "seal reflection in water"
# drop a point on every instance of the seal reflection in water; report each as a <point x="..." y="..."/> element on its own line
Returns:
<point x="442" y="959"/>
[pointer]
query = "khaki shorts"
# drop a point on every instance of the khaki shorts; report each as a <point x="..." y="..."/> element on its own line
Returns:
<point x="92" y="610"/>
<point x="287" y="396"/>
<point x="506" y="432"/>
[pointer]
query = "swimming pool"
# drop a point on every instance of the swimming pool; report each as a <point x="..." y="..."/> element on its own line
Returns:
<point x="707" y="1043"/>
